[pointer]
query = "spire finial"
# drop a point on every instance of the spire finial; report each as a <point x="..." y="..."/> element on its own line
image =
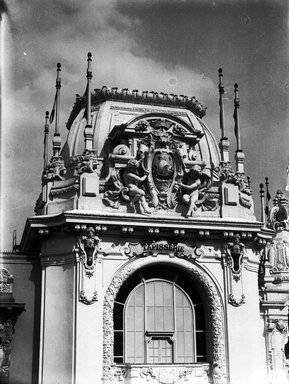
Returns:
<point x="236" y="116"/>
<point x="239" y="153"/>
<point x="224" y="143"/>
<point x="262" y="202"/>
<point x="221" y="93"/>
<point x="268" y="197"/>
<point x="56" y="138"/>
<point x="45" y="143"/>
<point x="88" y="131"/>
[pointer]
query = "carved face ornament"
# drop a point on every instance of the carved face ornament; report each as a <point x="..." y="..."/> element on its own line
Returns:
<point x="163" y="170"/>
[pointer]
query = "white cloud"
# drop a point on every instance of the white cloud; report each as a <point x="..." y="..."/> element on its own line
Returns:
<point x="44" y="33"/>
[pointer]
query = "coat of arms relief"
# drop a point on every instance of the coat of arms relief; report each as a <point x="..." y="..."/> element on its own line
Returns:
<point x="155" y="164"/>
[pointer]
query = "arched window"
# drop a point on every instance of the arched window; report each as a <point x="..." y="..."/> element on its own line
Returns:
<point x="159" y="319"/>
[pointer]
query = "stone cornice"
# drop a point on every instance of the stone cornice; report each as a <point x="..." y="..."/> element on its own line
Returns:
<point x="136" y="97"/>
<point x="158" y="226"/>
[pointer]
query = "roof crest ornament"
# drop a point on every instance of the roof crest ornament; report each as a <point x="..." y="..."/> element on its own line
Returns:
<point x="136" y="96"/>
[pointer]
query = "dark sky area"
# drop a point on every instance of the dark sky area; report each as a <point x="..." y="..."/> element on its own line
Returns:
<point x="171" y="46"/>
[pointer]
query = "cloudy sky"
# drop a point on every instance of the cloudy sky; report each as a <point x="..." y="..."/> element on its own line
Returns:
<point x="175" y="46"/>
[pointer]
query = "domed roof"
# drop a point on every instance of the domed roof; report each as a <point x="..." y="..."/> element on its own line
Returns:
<point x="112" y="108"/>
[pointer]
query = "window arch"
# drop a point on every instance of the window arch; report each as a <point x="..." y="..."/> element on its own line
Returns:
<point x="159" y="318"/>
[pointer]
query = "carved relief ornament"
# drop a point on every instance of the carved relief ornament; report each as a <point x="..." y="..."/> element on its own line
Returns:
<point x="235" y="251"/>
<point x="55" y="169"/>
<point x="87" y="245"/>
<point x="158" y="168"/>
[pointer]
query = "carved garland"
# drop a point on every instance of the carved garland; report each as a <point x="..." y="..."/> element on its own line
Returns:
<point x="216" y="317"/>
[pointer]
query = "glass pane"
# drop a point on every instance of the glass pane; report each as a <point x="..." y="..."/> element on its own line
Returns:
<point x="134" y="324"/>
<point x="139" y="296"/>
<point x="184" y="328"/>
<point x="118" y="316"/>
<point x="129" y="341"/>
<point x="139" y="318"/>
<point x="118" y="343"/>
<point x="201" y="343"/>
<point x="160" y="351"/>
<point x="159" y="293"/>
<point x="130" y="318"/>
<point x="168" y="319"/>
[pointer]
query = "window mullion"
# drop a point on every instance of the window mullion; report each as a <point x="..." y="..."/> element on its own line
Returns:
<point x="175" y="322"/>
<point x="145" y="325"/>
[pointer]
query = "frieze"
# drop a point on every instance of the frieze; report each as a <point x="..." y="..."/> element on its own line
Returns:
<point x="147" y="110"/>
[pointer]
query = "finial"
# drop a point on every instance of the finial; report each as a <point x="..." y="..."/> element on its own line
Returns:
<point x="88" y="131"/>
<point x="224" y="143"/>
<point x="236" y="116"/>
<point x="268" y="197"/>
<point x="262" y="202"/>
<point x="261" y="190"/>
<point x="221" y="93"/>
<point x="236" y="99"/>
<point x="56" y="107"/>
<point x="221" y="86"/>
<point x="45" y="142"/>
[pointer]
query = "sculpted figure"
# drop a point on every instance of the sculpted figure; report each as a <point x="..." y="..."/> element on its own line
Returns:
<point x="132" y="180"/>
<point x="235" y="250"/>
<point x="192" y="181"/>
<point x="90" y="242"/>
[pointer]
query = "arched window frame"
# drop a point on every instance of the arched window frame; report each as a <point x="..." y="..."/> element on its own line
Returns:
<point x="202" y="333"/>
